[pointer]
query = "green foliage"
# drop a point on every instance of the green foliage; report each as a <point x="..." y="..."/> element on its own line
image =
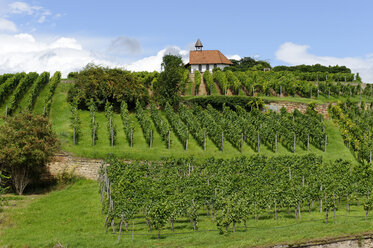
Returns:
<point x="2" y="189"/>
<point x="247" y="63"/>
<point x="221" y="79"/>
<point x="4" y="77"/>
<point x="111" y="127"/>
<point x="356" y="124"/>
<point x="209" y="82"/>
<point x="73" y="75"/>
<point x="21" y="89"/>
<point x="219" y="101"/>
<point x="145" y="123"/>
<point x="7" y="87"/>
<point x="213" y="129"/>
<point x="27" y="143"/>
<point x="313" y="68"/>
<point x="94" y="124"/>
<point x="234" y="83"/>
<point x="170" y="84"/>
<point x="126" y="121"/>
<point x="161" y="125"/>
<point x="180" y="129"/>
<point x="107" y="85"/>
<point x="55" y="80"/>
<point x="38" y="85"/>
<point x="238" y="189"/>
<point x="194" y="126"/>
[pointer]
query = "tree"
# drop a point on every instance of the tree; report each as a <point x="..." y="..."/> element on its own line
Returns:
<point x="2" y="189"/>
<point x="170" y="84"/>
<point x="27" y="143"/>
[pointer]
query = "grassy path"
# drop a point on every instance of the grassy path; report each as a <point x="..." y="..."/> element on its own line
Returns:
<point x="72" y="217"/>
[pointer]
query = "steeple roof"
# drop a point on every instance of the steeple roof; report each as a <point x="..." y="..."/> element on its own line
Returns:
<point x="198" y="43"/>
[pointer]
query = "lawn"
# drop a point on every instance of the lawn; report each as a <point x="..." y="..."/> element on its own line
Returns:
<point x="72" y="217"/>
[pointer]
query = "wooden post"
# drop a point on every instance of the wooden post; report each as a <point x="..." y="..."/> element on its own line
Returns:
<point x="295" y="137"/>
<point x="308" y="142"/>
<point x="111" y="132"/>
<point x="44" y="111"/>
<point x="370" y="157"/>
<point x="326" y="142"/>
<point x="151" y="138"/>
<point x="204" y="140"/>
<point x="74" y="139"/>
<point x="169" y="139"/>
<point x="131" y="138"/>
<point x="112" y="136"/>
<point x="222" y="141"/>
<point x="241" y="141"/>
<point x="93" y="131"/>
<point x="186" y="142"/>
<point x="258" y="143"/>
<point x="120" y="228"/>
<point x="280" y="90"/>
<point x="133" y="228"/>
<point x="6" y="111"/>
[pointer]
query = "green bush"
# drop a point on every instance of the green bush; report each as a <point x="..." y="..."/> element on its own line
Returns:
<point x="107" y="85"/>
<point x="219" y="101"/>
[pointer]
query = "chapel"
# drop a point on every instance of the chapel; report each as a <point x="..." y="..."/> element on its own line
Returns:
<point x="206" y="60"/>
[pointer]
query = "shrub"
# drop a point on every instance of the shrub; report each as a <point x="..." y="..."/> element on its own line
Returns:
<point x="107" y="85"/>
<point x="27" y="143"/>
<point x="218" y="101"/>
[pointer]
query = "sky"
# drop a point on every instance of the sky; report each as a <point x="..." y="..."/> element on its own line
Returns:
<point x="66" y="35"/>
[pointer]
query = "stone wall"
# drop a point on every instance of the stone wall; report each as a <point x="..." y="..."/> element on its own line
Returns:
<point x="302" y="107"/>
<point x="80" y="167"/>
<point x="365" y="241"/>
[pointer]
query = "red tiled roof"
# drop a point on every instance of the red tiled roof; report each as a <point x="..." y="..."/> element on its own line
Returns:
<point x="208" y="57"/>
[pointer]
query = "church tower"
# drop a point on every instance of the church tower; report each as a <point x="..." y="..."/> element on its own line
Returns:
<point x="198" y="45"/>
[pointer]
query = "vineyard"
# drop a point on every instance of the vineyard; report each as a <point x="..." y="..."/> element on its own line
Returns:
<point x="356" y="121"/>
<point x="273" y="83"/>
<point x="27" y="92"/>
<point x="199" y="131"/>
<point x="230" y="192"/>
<point x="229" y="167"/>
<point x="205" y="130"/>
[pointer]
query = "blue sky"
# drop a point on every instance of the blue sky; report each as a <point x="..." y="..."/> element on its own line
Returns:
<point x="135" y="34"/>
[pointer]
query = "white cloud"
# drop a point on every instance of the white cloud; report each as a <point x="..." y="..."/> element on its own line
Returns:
<point x="295" y="54"/>
<point x="153" y="63"/>
<point x="22" y="52"/>
<point x="235" y="56"/>
<point x="23" y="8"/>
<point x="8" y="26"/>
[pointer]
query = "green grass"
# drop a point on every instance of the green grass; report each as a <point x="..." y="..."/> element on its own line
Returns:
<point x="60" y="114"/>
<point x="72" y="217"/>
<point x="189" y="88"/>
